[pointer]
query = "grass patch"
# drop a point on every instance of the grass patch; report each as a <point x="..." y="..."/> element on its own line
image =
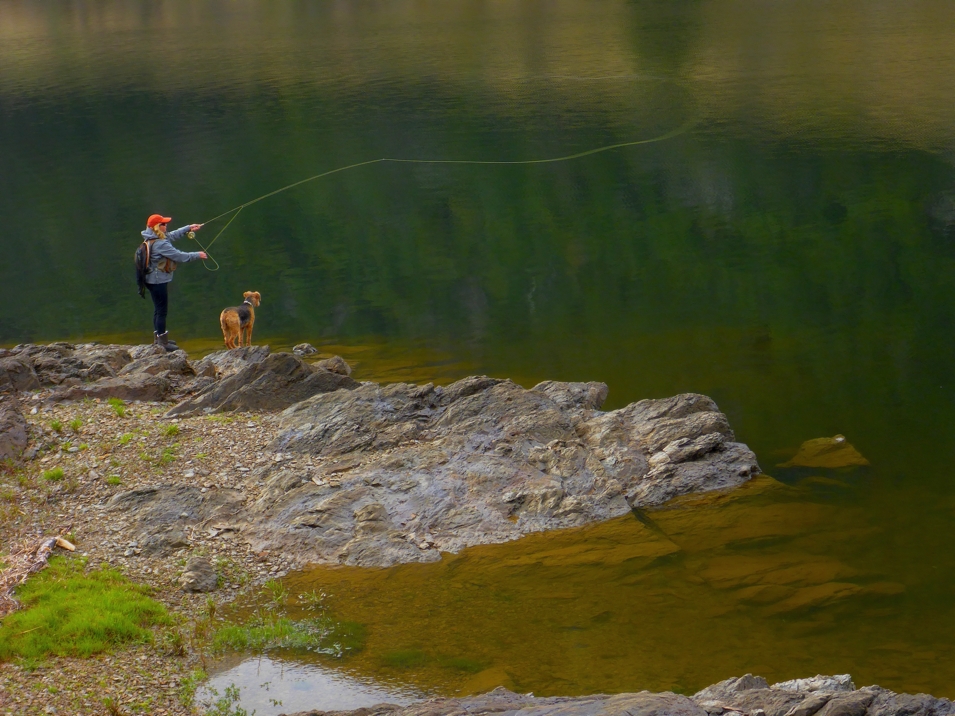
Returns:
<point x="265" y="632"/>
<point x="54" y="475"/>
<point x="113" y="480"/>
<point x="75" y="425"/>
<point x="118" y="406"/>
<point x="56" y="425"/>
<point x="126" y="438"/>
<point x="170" y="430"/>
<point x="71" y="613"/>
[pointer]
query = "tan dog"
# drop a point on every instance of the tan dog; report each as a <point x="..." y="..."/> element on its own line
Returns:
<point x="237" y="321"/>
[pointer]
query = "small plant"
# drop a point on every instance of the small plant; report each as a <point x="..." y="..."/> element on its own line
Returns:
<point x="75" y="425"/>
<point x="168" y="456"/>
<point x="112" y="707"/>
<point x="66" y="445"/>
<point x="175" y="643"/>
<point x="56" y="425"/>
<point x="126" y="438"/>
<point x="227" y="704"/>
<point x="313" y="601"/>
<point x="71" y="485"/>
<point x="54" y="475"/>
<point x="118" y="406"/>
<point x="84" y="446"/>
<point x="188" y="686"/>
<point x="211" y="607"/>
<point x="170" y="430"/>
<point x="113" y="480"/>
<point x="278" y="592"/>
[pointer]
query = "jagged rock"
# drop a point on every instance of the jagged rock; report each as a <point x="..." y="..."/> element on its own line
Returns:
<point x="199" y="576"/>
<point x="20" y="373"/>
<point x="157" y="509"/>
<point x="502" y="701"/>
<point x="409" y="471"/>
<point x="135" y="386"/>
<point x="304" y="349"/>
<point x="13" y="426"/>
<point x="820" y="696"/>
<point x="275" y="383"/>
<point x="746" y="695"/>
<point x="826" y="452"/>
<point x="335" y="364"/>
<point x="68" y="364"/>
<point x="175" y="363"/>
<point x="230" y="362"/>
<point x="163" y="541"/>
<point x="839" y="682"/>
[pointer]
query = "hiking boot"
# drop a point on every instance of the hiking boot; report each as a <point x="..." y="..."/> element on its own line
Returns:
<point x="166" y="342"/>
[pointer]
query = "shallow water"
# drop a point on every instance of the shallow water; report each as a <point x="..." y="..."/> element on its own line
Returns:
<point x="790" y="254"/>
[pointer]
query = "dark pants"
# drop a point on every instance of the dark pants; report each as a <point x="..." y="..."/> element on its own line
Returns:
<point x="160" y="294"/>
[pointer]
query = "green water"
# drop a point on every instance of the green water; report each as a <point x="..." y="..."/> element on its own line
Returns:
<point x="792" y="254"/>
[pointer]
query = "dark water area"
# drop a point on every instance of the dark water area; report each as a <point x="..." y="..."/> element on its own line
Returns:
<point x="791" y="253"/>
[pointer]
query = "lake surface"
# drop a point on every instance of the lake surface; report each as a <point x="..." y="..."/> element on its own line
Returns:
<point x="789" y="249"/>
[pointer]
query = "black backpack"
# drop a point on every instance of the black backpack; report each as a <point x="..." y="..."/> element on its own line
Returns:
<point x="142" y="265"/>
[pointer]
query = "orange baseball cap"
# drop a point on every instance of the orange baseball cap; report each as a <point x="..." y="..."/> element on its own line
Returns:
<point x="157" y="219"/>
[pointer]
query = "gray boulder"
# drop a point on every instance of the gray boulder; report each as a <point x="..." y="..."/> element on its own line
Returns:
<point x="404" y="472"/>
<point x="272" y="384"/>
<point x="229" y="362"/>
<point x="134" y="386"/>
<point x="166" y="509"/>
<point x="335" y="364"/>
<point x="817" y="696"/>
<point x="20" y="373"/>
<point x="69" y="364"/>
<point x="198" y="576"/>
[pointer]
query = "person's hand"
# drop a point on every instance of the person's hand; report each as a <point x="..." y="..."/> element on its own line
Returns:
<point x="195" y="227"/>
<point x="203" y="255"/>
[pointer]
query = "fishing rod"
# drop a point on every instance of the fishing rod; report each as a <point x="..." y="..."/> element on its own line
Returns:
<point x="236" y="210"/>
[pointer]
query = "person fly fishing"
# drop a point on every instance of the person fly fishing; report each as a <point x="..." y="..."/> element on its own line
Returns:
<point x="156" y="260"/>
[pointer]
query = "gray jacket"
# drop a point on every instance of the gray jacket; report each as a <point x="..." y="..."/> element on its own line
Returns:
<point x="163" y="249"/>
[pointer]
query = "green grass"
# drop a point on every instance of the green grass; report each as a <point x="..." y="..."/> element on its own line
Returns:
<point x="113" y="480"/>
<point x="270" y="631"/>
<point x="56" y="425"/>
<point x="71" y="613"/>
<point x="54" y="475"/>
<point x="126" y="438"/>
<point x="75" y="425"/>
<point x="118" y="406"/>
<point x="170" y="430"/>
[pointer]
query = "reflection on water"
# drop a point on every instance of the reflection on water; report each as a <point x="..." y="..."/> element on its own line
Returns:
<point x="272" y="686"/>
<point x="771" y="579"/>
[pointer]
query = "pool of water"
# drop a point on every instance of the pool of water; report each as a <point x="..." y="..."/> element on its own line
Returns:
<point x="776" y="579"/>
<point x="790" y="252"/>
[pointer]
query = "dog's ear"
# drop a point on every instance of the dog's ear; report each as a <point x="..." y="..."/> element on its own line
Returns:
<point x="258" y="297"/>
<point x="246" y="294"/>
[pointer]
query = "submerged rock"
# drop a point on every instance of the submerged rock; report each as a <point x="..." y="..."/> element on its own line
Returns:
<point x="744" y="695"/>
<point x="826" y="452"/>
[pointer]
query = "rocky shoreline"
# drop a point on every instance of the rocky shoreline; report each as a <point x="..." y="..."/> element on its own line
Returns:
<point x="204" y="479"/>
<point x="743" y="696"/>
